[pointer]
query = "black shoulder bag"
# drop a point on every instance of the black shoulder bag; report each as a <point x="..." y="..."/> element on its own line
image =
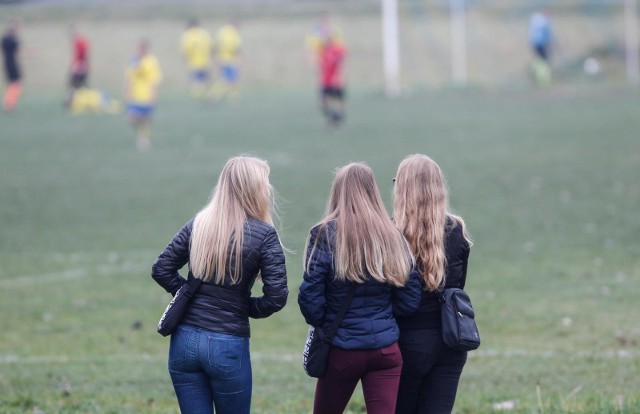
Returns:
<point x="315" y="356"/>
<point x="175" y="310"/>
<point x="459" y="330"/>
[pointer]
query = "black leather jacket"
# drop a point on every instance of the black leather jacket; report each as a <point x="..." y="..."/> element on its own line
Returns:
<point x="226" y="308"/>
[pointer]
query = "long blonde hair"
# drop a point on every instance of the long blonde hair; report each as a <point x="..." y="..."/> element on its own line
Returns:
<point x="243" y="191"/>
<point x="420" y="210"/>
<point x="367" y="242"/>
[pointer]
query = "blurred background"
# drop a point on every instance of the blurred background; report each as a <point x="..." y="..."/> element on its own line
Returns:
<point x="541" y="155"/>
<point x="496" y="37"/>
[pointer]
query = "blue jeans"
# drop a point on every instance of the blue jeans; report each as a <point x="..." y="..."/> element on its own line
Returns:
<point x="209" y="368"/>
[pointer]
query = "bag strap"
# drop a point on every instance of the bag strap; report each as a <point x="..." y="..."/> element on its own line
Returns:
<point x="194" y="284"/>
<point x="440" y="292"/>
<point x="340" y="316"/>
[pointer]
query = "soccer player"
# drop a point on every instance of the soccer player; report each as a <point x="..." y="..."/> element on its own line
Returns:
<point x="143" y="77"/>
<point x="540" y="39"/>
<point x="330" y="61"/>
<point x="196" y="47"/>
<point x="10" y="51"/>
<point x="87" y="99"/>
<point x="228" y="46"/>
<point x="315" y="40"/>
<point x="79" y="69"/>
<point x="326" y="51"/>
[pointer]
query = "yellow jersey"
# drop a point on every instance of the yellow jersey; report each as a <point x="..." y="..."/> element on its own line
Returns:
<point x="92" y="100"/>
<point x="196" y="45"/>
<point x="228" y="43"/>
<point x="315" y="40"/>
<point x="143" y="76"/>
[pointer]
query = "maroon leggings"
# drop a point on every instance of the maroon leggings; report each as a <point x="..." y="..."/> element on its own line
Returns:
<point x="379" y="370"/>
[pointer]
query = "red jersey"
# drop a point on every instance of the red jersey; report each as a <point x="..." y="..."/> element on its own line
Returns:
<point x="331" y="59"/>
<point x="80" y="59"/>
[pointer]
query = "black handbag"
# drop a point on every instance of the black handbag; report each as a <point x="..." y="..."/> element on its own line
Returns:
<point x="315" y="356"/>
<point x="459" y="330"/>
<point x="175" y="310"/>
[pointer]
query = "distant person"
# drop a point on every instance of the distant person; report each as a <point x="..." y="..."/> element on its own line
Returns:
<point x="440" y="245"/>
<point x="79" y="68"/>
<point x="230" y="244"/>
<point x="315" y="40"/>
<point x="326" y="52"/>
<point x="228" y="47"/>
<point x="356" y="246"/>
<point x="332" y="91"/>
<point x="196" y="48"/>
<point x="90" y="100"/>
<point x="143" y="76"/>
<point x="540" y="40"/>
<point x="13" y="75"/>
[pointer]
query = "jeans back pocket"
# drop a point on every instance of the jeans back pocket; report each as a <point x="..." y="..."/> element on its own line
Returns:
<point x="179" y="346"/>
<point x="226" y="353"/>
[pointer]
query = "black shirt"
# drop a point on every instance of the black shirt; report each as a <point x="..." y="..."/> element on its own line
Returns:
<point x="10" y="46"/>
<point x="457" y="252"/>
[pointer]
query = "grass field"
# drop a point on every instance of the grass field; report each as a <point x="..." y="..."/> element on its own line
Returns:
<point x="547" y="181"/>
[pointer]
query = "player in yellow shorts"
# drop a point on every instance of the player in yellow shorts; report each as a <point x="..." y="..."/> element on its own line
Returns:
<point x="228" y="46"/>
<point x="196" y="48"/>
<point x="143" y="77"/>
<point x="85" y="99"/>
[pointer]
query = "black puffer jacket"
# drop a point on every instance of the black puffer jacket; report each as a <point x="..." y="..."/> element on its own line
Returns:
<point x="226" y="308"/>
<point x="457" y="251"/>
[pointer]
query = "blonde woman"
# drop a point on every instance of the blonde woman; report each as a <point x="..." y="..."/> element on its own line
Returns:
<point x="228" y="244"/>
<point x="440" y="244"/>
<point x="357" y="244"/>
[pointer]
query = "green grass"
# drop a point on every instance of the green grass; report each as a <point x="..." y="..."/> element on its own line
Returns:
<point x="547" y="182"/>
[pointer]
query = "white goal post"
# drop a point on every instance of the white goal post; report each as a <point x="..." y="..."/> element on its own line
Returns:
<point x="631" y="41"/>
<point x="391" y="45"/>
<point x="458" y="30"/>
